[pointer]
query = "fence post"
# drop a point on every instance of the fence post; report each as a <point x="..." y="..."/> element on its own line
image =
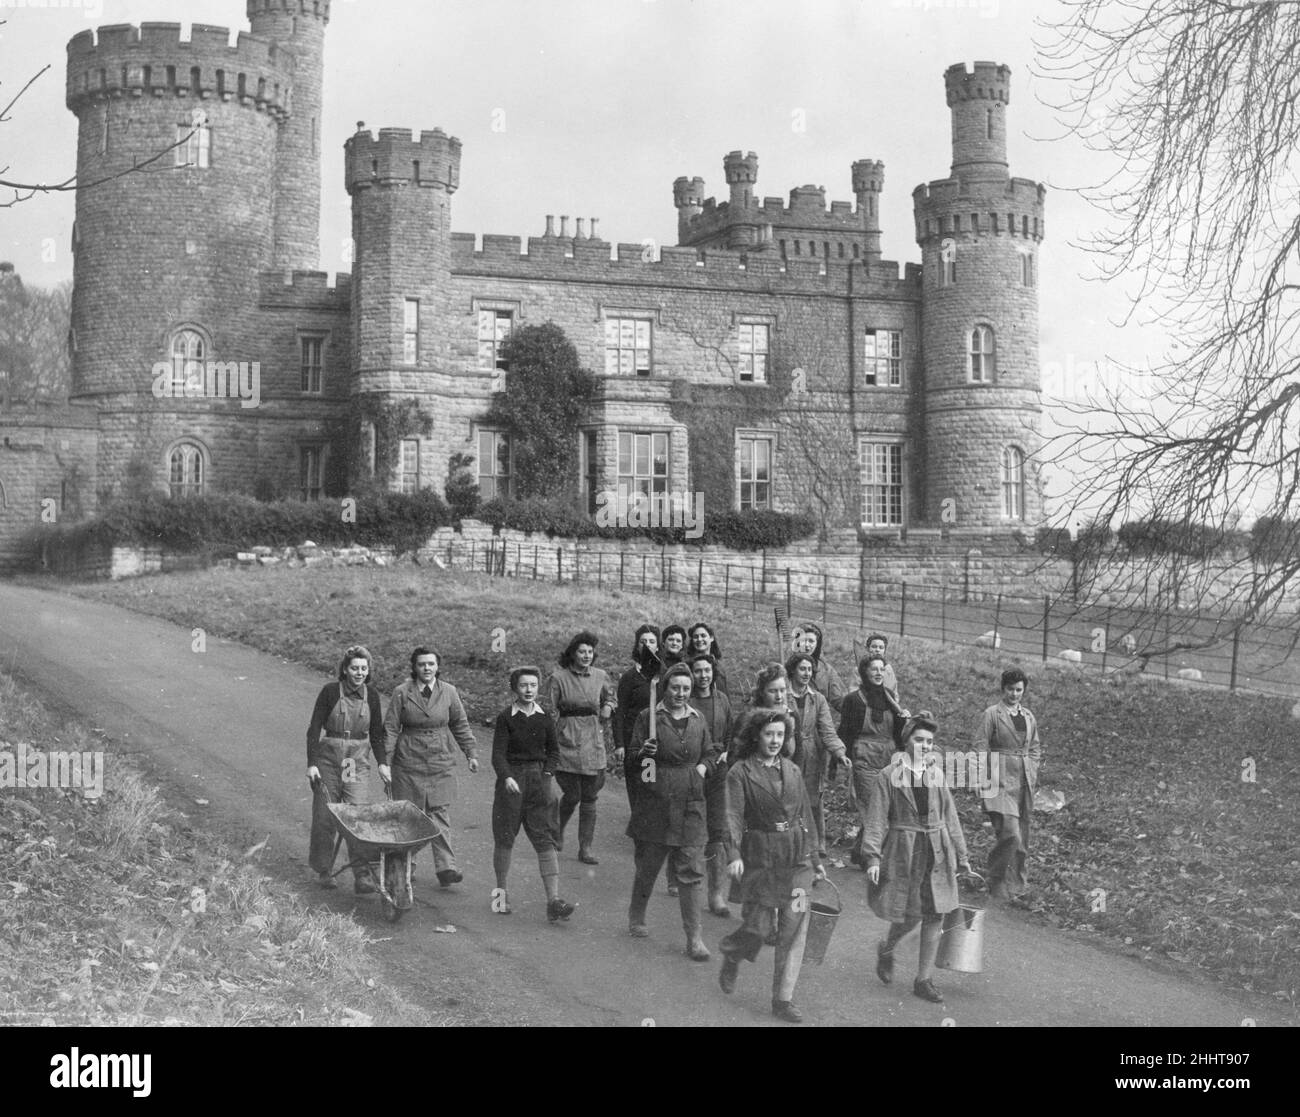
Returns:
<point x="665" y="574"/>
<point x="943" y="614"/>
<point x="473" y="545"/>
<point x="788" y="611"/>
<point x="862" y="606"/>
<point x="997" y="621"/>
<point x="726" y="587"/>
<point x="1047" y="605"/>
<point x="643" y="572"/>
<point x="825" y="576"/>
<point x="699" y="583"/>
<point x="1166" y="645"/>
<point x="600" y="570"/>
<point x="559" y="564"/>
<point x="753" y="590"/>
<point x="902" y="610"/>
<point x="1236" y="640"/>
<point x="450" y="543"/>
<point x="622" y="556"/>
<point x="1105" y="641"/>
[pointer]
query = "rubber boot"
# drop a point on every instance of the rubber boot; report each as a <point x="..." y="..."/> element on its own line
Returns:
<point x="641" y="889"/>
<point x="715" y="863"/>
<point x="691" y="899"/>
<point x="587" y="833"/>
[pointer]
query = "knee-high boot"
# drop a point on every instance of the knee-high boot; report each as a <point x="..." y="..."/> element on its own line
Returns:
<point x="715" y="862"/>
<point x="691" y="899"/>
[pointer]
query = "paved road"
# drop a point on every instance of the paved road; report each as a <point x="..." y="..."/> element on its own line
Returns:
<point x="228" y="726"/>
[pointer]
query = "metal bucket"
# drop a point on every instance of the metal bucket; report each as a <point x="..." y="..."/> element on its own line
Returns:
<point x="961" y="943"/>
<point x="821" y="925"/>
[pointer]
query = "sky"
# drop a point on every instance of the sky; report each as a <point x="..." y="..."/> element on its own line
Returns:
<point x="592" y="107"/>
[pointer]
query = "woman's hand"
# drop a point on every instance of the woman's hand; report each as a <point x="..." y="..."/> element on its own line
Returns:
<point x="702" y="769"/>
<point x="873" y="874"/>
<point x="511" y="785"/>
<point x="722" y="759"/>
<point x="606" y="712"/>
<point x="651" y="746"/>
<point x="845" y="761"/>
<point x="313" y="776"/>
<point x="736" y="868"/>
<point x="819" y="873"/>
<point x="619" y="754"/>
<point x="473" y="764"/>
<point x="386" y="774"/>
<point x="964" y="866"/>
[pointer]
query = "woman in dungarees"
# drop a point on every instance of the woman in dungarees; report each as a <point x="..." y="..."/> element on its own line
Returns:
<point x="716" y="710"/>
<point x="774" y="854"/>
<point x="346" y="729"/>
<point x="870" y="721"/>
<point x="633" y="696"/>
<point x="427" y="722"/>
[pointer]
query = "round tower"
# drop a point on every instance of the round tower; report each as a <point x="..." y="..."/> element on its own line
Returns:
<point x="297" y="26"/>
<point x="741" y="172"/>
<point x="688" y="197"/>
<point x="401" y="186"/>
<point x="868" y="182"/>
<point x="979" y="233"/>
<point x="176" y="152"/>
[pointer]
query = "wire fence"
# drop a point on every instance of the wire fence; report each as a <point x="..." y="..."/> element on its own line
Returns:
<point x="1175" y="643"/>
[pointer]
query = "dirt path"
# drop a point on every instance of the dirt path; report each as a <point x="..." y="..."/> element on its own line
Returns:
<point x="228" y="726"/>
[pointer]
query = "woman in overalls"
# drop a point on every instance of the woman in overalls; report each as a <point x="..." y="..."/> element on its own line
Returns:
<point x="870" y="722"/>
<point x="816" y="745"/>
<point x="346" y="729"/>
<point x="914" y="846"/>
<point x="426" y="719"/>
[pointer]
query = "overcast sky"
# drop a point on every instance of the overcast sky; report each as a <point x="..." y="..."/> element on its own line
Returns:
<point x="599" y="104"/>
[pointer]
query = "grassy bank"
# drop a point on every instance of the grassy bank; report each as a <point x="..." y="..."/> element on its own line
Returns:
<point x="113" y="911"/>
<point x="1167" y="846"/>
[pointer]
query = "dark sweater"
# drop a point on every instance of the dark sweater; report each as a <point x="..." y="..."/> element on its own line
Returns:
<point x="326" y="701"/>
<point x="518" y="740"/>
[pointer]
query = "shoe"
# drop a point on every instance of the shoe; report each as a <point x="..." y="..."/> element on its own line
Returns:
<point x="448" y="877"/>
<point x="926" y="991"/>
<point x="787" y="1011"/>
<point x="587" y="857"/>
<point x="364" y="886"/>
<point x="559" y="909"/>
<point x="326" y="881"/>
<point x="884" y="964"/>
<point x="638" y="930"/>
<point x="730" y="970"/>
<point x="696" y="951"/>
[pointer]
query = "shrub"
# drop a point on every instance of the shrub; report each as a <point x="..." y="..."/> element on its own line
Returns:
<point x="462" y="486"/>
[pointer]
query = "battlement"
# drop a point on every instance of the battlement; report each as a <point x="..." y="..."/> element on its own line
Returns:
<point x="398" y="155"/>
<point x="868" y="175"/>
<point x="305" y="290"/>
<point x="688" y="192"/>
<point x="806" y="210"/>
<point x="947" y="205"/>
<point x="152" y="60"/>
<point x="314" y="9"/>
<point x="986" y="81"/>
<point x="738" y="167"/>
<point x="557" y="258"/>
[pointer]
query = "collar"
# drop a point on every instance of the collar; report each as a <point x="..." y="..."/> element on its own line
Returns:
<point x="347" y="690"/>
<point x="691" y="711"/>
<point x="515" y="708"/>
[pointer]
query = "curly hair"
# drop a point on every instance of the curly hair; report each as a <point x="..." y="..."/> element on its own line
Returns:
<point x="566" y="656"/>
<point x="752" y="727"/>
<point x="766" y="677"/>
<point x="356" y="651"/>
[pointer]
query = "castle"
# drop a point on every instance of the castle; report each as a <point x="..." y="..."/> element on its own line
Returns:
<point x="771" y="359"/>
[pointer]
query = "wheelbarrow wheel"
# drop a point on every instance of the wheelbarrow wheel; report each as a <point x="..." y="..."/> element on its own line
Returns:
<point x="392" y="912"/>
<point x="396" y="886"/>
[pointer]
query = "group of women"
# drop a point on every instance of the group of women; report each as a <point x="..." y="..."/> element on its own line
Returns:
<point x="729" y="801"/>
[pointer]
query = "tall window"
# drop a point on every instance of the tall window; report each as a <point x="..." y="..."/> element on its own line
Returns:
<point x="755" y="473"/>
<point x="493" y="329"/>
<point x="313" y="355"/>
<point x="979" y="357"/>
<point x="410" y="465"/>
<point x="627" y="347"/>
<point x="493" y="464"/>
<point x="309" y="472"/>
<point x="411" y="331"/>
<point x="753" y="352"/>
<point x="880" y="466"/>
<point x="195" y="140"/>
<point x="1027" y="269"/>
<point x="883" y="357"/>
<point x="642" y="463"/>
<point x="188" y="347"/>
<point x="590" y="469"/>
<point x="947" y="269"/>
<point x="185" y="470"/>
<point x="1013" y="484"/>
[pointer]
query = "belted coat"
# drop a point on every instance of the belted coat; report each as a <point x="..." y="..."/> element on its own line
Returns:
<point x="426" y="732"/>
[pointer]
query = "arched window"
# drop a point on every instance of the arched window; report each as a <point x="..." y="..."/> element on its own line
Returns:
<point x="185" y="470"/>
<point x="980" y="355"/>
<point x="189" y="349"/>
<point x="1013" y="483"/>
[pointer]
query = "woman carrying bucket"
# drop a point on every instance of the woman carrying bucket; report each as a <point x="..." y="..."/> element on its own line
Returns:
<point x="914" y="846"/>
<point x="774" y="843"/>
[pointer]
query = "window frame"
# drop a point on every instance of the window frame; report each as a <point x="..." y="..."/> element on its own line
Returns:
<point x="751" y="439"/>
<point x="893" y="360"/>
<point x="624" y="489"/>
<point x="897" y="449"/>
<point x="410" y="335"/>
<point x="1013" y="483"/>
<point x="497" y="479"/>
<point x="635" y="320"/>
<point x="306" y="490"/>
<point x="987" y="356"/>
<point x="178" y="376"/>
<point x="755" y="376"/>
<point x="306" y="337"/>
<point x="402" y="472"/>
<point x="194" y="454"/>
<point x="195" y="140"/>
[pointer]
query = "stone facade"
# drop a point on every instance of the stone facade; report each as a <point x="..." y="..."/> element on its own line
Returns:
<point x="771" y="329"/>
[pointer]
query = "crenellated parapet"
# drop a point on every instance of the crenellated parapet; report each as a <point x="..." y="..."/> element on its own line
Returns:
<point x="399" y="156"/>
<point x="305" y="290"/>
<point x="318" y="10"/>
<point x="950" y="207"/>
<point x="153" y="61"/>
<point x="985" y="81"/>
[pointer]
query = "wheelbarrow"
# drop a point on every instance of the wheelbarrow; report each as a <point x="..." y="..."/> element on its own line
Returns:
<point x="394" y="830"/>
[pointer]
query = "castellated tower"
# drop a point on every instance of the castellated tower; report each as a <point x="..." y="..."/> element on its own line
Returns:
<point x="401" y="186"/>
<point x="741" y="172"/>
<point x="168" y="256"/>
<point x="868" y="182"/>
<point x="688" y="197"/>
<point x="297" y="26"/>
<point x="979" y="232"/>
